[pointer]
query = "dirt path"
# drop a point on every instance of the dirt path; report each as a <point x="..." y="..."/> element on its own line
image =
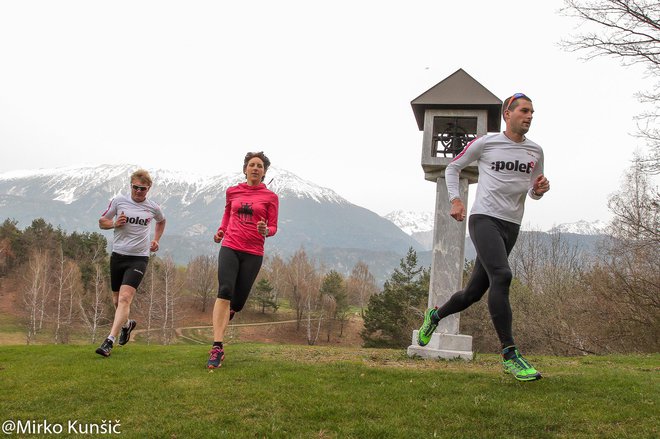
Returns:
<point x="179" y="331"/>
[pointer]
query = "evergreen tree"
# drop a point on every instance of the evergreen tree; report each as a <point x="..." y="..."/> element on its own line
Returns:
<point x="87" y="249"/>
<point x="12" y="252"/>
<point x="391" y="315"/>
<point x="334" y="286"/>
<point x="263" y="296"/>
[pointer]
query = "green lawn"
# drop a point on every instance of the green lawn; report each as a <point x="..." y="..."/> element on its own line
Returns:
<point x="278" y="391"/>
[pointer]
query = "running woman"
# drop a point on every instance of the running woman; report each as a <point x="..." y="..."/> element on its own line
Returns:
<point x="131" y="218"/>
<point x="250" y="217"/>
<point x="510" y="169"/>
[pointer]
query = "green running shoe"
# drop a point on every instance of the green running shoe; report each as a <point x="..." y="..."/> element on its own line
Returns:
<point x="426" y="331"/>
<point x="520" y="368"/>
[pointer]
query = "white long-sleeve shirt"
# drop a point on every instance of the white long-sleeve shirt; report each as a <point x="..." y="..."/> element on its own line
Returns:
<point x="507" y="171"/>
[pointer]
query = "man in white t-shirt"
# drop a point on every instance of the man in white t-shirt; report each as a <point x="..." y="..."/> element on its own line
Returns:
<point x="131" y="218"/>
<point x="510" y="170"/>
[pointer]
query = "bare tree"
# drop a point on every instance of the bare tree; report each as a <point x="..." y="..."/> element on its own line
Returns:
<point x="546" y="294"/>
<point x="315" y="304"/>
<point x="35" y="277"/>
<point x="202" y="278"/>
<point x="318" y="306"/>
<point x="171" y="292"/>
<point x="300" y="280"/>
<point x="76" y="287"/>
<point x="568" y="304"/>
<point x="628" y="275"/>
<point x="150" y="300"/>
<point x="628" y="30"/>
<point x="361" y="285"/>
<point x="46" y="288"/>
<point x="66" y="275"/>
<point x="275" y="270"/>
<point x="92" y="302"/>
<point x="636" y="208"/>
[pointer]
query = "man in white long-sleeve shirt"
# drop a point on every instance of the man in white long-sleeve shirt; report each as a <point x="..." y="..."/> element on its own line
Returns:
<point x="510" y="169"/>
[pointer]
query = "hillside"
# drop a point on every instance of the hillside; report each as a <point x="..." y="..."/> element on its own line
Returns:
<point x="331" y="229"/>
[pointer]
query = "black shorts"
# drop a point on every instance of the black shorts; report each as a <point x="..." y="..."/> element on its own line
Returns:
<point x="127" y="270"/>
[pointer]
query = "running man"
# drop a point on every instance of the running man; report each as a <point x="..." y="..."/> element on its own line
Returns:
<point x="510" y="169"/>
<point x="130" y="217"/>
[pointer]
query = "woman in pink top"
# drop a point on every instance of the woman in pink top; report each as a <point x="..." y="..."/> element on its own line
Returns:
<point x="250" y="217"/>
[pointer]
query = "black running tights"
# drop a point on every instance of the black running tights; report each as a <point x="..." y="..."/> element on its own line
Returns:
<point x="493" y="239"/>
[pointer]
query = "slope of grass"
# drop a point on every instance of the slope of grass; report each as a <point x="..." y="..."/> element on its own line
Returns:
<point x="309" y="392"/>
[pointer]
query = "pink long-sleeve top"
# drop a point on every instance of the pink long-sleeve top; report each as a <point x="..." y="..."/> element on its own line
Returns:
<point x="246" y="206"/>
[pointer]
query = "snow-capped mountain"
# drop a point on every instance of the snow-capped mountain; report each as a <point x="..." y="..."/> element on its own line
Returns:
<point x="313" y="217"/>
<point x="581" y="228"/>
<point x="419" y="226"/>
<point x="419" y="222"/>
<point x="70" y="184"/>
<point x="412" y="222"/>
<point x="331" y="229"/>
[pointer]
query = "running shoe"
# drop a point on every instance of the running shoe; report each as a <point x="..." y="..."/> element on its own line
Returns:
<point x="216" y="357"/>
<point x="426" y="331"/>
<point x="105" y="348"/>
<point x="125" y="334"/>
<point x="520" y="368"/>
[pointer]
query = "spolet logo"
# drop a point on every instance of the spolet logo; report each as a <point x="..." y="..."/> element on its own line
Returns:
<point x="137" y="220"/>
<point x="498" y="166"/>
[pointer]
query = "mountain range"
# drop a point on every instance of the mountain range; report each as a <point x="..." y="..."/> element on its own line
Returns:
<point x="419" y="225"/>
<point x="334" y="232"/>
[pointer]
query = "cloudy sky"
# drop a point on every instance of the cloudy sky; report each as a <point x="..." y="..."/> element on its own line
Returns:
<point x="324" y="88"/>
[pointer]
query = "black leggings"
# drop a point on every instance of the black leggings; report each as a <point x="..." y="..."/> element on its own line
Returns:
<point x="236" y="274"/>
<point x="493" y="239"/>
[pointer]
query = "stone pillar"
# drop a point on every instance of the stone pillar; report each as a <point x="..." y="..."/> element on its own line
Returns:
<point x="446" y="278"/>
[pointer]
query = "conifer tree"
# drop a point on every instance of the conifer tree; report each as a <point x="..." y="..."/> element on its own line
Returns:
<point x="391" y="315"/>
<point x="263" y="296"/>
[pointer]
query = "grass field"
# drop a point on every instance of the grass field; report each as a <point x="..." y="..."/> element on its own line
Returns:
<point x="282" y="391"/>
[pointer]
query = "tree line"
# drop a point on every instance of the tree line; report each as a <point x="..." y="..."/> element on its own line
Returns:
<point x="63" y="286"/>
<point x="565" y="301"/>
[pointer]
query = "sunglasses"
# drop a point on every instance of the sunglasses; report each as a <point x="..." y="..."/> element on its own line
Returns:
<point x="513" y="98"/>
<point x="139" y="188"/>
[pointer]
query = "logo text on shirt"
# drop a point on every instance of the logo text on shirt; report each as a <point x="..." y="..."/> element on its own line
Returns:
<point x="501" y="165"/>
<point x="138" y="220"/>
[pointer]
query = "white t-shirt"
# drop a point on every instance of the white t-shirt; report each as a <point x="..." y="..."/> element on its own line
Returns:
<point x="133" y="237"/>
<point x="507" y="171"/>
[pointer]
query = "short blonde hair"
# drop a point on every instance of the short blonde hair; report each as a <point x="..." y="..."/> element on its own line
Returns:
<point x="143" y="176"/>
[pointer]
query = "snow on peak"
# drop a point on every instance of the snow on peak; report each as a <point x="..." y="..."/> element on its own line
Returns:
<point x="412" y="222"/>
<point x="285" y="183"/>
<point x="581" y="227"/>
<point x="67" y="184"/>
